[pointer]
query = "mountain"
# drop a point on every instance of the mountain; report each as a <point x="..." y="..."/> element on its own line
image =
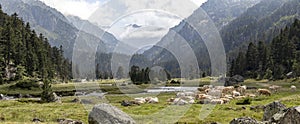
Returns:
<point x="23" y="53"/>
<point x="54" y="25"/>
<point x="221" y="13"/>
<point x="109" y="39"/>
<point x="90" y="28"/>
<point x="260" y="22"/>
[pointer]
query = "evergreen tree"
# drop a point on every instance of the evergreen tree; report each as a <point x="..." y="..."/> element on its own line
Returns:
<point x="252" y="61"/>
<point x="120" y="73"/>
<point x="28" y="54"/>
<point x="262" y="59"/>
<point x="47" y="94"/>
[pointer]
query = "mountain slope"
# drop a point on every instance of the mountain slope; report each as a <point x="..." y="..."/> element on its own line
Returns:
<point x="256" y="21"/>
<point x="50" y="22"/>
<point x="221" y="13"/>
<point x="90" y="28"/>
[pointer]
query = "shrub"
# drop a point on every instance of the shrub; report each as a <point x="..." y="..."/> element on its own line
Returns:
<point x="47" y="94"/>
<point x="26" y="84"/>
<point x="246" y="101"/>
<point x="174" y="82"/>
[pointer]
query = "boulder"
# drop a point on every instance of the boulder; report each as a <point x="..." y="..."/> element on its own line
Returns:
<point x="56" y="98"/>
<point x="86" y="101"/>
<point x="108" y="114"/>
<point x="244" y="120"/>
<point x="231" y="81"/>
<point x="126" y="103"/>
<point x="2" y="97"/>
<point x="291" y="116"/>
<point x="76" y="100"/>
<point x="238" y="78"/>
<point x="68" y="121"/>
<point x="36" y="120"/>
<point x="271" y="109"/>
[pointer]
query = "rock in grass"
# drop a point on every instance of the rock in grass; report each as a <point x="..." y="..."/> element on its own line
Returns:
<point x="2" y="96"/>
<point x="76" y="100"/>
<point x="244" y="120"/>
<point x="68" y="121"/>
<point x="108" y="114"/>
<point x="36" y="120"/>
<point x="271" y="109"/>
<point x="291" y="116"/>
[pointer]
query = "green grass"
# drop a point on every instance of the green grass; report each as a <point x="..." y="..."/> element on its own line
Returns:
<point x="24" y="110"/>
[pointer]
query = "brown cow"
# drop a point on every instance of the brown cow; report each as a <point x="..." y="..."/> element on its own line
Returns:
<point x="264" y="92"/>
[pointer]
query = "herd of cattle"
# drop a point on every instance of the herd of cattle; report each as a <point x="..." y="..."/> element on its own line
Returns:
<point x="209" y="94"/>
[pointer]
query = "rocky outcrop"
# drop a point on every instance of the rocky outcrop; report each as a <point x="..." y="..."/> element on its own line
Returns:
<point x="108" y="114"/>
<point x="271" y="109"/>
<point x="274" y="113"/>
<point x="290" y="116"/>
<point x="244" y="120"/>
<point x="231" y="81"/>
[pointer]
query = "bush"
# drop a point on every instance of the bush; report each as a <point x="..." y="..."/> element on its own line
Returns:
<point x="47" y="94"/>
<point x="246" y="101"/>
<point x="26" y="84"/>
<point x="174" y="82"/>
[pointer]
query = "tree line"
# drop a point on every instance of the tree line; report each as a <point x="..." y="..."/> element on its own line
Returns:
<point x="140" y="76"/>
<point x="23" y="53"/>
<point x="276" y="60"/>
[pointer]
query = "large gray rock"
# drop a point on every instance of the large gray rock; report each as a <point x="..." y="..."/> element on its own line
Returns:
<point x="291" y="116"/>
<point x="244" y="120"/>
<point x="56" y="98"/>
<point x="271" y="109"/>
<point x="108" y="114"/>
<point x="231" y="81"/>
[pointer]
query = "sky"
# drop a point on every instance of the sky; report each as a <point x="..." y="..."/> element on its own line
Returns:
<point x="84" y="8"/>
<point x="155" y="17"/>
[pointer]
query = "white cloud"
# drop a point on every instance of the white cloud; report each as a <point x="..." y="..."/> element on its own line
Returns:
<point x="114" y="9"/>
<point x="150" y="14"/>
<point x="80" y="8"/>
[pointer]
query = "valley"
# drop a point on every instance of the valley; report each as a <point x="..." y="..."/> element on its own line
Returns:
<point x="206" y="62"/>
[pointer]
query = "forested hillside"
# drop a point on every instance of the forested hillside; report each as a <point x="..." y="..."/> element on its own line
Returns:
<point x="221" y="13"/>
<point x="277" y="60"/>
<point x="25" y="54"/>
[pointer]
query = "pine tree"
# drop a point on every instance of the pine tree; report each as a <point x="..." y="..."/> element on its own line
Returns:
<point x="47" y="94"/>
<point x="252" y="60"/>
<point x="262" y="59"/>
<point x="120" y="73"/>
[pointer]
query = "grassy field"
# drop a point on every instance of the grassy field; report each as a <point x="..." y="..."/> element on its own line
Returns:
<point x="24" y="110"/>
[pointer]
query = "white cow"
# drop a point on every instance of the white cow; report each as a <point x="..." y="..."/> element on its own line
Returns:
<point x="140" y="100"/>
<point x="293" y="88"/>
<point x="236" y="94"/>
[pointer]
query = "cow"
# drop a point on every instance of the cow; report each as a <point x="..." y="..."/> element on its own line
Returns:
<point x="225" y="100"/>
<point x="227" y="90"/>
<point x="139" y="100"/>
<point x="293" y="88"/>
<point x="215" y="93"/>
<point x="274" y="88"/>
<point x="264" y="92"/>
<point x="236" y="93"/>
<point x="202" y="96"/>
<point x="151" y="100"/>
<point x="217" y="101"/>
<point x="242" y="89"/>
